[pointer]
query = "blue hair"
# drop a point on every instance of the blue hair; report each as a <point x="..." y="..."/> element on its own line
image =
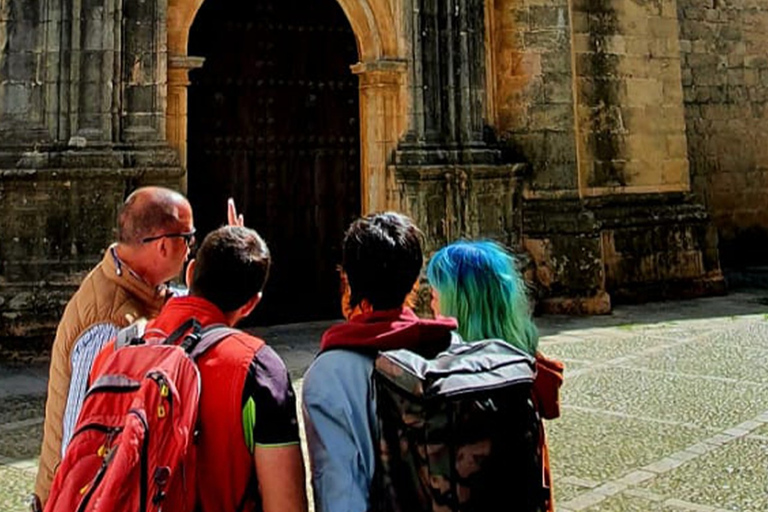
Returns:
<point x="478" y="284"/>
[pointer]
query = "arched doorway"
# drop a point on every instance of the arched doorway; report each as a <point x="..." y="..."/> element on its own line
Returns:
<point x="273" y="121"/>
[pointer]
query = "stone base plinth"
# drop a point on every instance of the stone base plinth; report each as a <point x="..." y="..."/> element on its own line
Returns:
<point x="587" y="253"/>
<point x="58" y="213"/>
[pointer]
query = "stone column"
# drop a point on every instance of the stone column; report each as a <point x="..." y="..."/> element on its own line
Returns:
<point x="176" y="120"/>
<point x="93" y="33"/>
<point x="144" y="71"/>
<point x="448" y="75"/>
<point x="453" y="181"/>
<point x="23" y="72"/>
<point x="382" y="120"/>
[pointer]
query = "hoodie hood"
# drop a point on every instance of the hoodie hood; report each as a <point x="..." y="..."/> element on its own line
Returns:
<point x="391" y="330"/>
<point x="546" y="387"/>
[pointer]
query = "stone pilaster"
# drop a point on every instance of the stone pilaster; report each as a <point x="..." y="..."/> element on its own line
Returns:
<point x="450" y="178"/>
<point x="144" y="71"/>
<point x="462" y="201"/>
<point x="24" y="71"/>
<point x="381" y="123"/>
<point x="176" y="120"/>
<point x="448" y="74"/>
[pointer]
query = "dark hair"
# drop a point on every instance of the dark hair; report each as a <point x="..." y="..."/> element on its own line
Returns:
<point x="382" y="258"/>
<point x="231" y="267"/>
<point x="146" y="212"/>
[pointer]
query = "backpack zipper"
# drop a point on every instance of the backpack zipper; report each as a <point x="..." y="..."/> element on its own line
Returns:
<point x="113" y="384"/>
<point x="97" y="426"/>
<point x="105" y="464"/>
<point x="161" y="381"/>
<point x="144" y="478"/>
<point x="97" y="480"/>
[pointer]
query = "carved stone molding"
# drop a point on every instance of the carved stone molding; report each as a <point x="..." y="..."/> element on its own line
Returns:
<point x="179" y="67"/>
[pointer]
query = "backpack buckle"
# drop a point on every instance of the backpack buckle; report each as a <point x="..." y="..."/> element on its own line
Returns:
<point x="194" y="337"/>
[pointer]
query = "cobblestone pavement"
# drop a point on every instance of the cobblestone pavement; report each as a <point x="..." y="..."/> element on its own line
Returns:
<point x="665" y="407"/>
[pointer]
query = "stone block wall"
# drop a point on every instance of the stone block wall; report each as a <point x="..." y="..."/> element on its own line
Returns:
<point x="725" y="83"/>
<point x="586" y="94"/>
<point x="657" y="246"/>
<point x="55" y="225"/>
<point x="629" y="97"/>
<point x="81" y="125"/>
<point x="533" y="107"/>
<point x="23" y="61"/>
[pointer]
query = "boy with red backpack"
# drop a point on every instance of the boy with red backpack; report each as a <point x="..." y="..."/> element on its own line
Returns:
<point x="144" y="440"/>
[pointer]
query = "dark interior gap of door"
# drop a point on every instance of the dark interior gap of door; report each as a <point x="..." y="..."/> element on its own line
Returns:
<point x="274" y="123"/>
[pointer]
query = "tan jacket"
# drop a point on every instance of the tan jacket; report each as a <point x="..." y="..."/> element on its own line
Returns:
<point x="108" y="294"/>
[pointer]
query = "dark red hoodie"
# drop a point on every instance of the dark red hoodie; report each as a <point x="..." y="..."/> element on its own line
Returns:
<point x="392" y="329"/>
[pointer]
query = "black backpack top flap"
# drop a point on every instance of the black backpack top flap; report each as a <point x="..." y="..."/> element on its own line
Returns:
<point x="463" y="368"/>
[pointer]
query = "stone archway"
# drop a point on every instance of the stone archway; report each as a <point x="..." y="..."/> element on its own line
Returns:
<point x="381" y="72"/>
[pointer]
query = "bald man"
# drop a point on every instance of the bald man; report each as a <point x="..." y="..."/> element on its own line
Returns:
<point x="155" y="233"/>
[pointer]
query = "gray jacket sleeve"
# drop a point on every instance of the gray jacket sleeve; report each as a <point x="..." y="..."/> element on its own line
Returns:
<point x="339" y="416"/>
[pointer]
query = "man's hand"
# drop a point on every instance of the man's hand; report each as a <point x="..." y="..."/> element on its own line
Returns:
<point x="233" y="219"/>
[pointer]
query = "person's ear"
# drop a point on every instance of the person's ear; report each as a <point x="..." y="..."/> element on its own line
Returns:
<point x="435" y="303"/>
<point x="164" y="248"/>
<point x="190" y="272"/>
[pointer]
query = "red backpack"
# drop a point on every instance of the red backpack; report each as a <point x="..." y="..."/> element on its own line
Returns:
<point x="133" y="446"/>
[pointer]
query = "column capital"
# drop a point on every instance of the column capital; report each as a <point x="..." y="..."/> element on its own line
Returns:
<point x="380" y="72"/>
<point x="185" y="62"/>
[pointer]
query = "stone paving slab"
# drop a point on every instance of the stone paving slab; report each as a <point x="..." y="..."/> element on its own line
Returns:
<point x="688" y="400"/>
<point x="706" y="387"/>
<point x="16" y="381"/>
<point x="733" y="477"/>
<point x="23" y="442"/>
<point x="595" y="446"/>
<point x="15" y="486"/>
<point x="601" y="348"/>
<point x="706" y="358"/>
<point x="21" y="407"/>
<point x="665" y="407"/>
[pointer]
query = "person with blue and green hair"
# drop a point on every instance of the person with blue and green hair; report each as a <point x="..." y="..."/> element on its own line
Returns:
<point x="477" y="282"/>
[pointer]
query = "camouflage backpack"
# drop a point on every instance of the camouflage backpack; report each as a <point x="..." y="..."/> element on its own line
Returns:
<point x="458" y="432"/>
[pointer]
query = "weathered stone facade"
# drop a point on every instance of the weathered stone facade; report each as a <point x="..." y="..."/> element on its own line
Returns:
<point x="590" y="93"/>
<point x="725" y="87"/>
<point x="562" y="128"/>
<point x="82" y="121"/>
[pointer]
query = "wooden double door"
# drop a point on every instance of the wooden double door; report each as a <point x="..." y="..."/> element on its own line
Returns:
<point x="274" y="123"/>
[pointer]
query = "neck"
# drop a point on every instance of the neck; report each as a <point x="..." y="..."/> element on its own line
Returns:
<point x="233" y="318"/>
<point x="132" y="257"/>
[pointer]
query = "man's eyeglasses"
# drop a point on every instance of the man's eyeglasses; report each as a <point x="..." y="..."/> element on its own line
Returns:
<point x="189" y="237"/>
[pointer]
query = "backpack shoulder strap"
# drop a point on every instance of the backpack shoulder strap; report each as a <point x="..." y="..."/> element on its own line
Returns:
<point x="210" y="336"/>
<point x="126" y="335"/>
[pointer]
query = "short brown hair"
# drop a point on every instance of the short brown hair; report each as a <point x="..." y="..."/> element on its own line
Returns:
<point x="146" y="212"/>
<point x="231" y="267"/>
